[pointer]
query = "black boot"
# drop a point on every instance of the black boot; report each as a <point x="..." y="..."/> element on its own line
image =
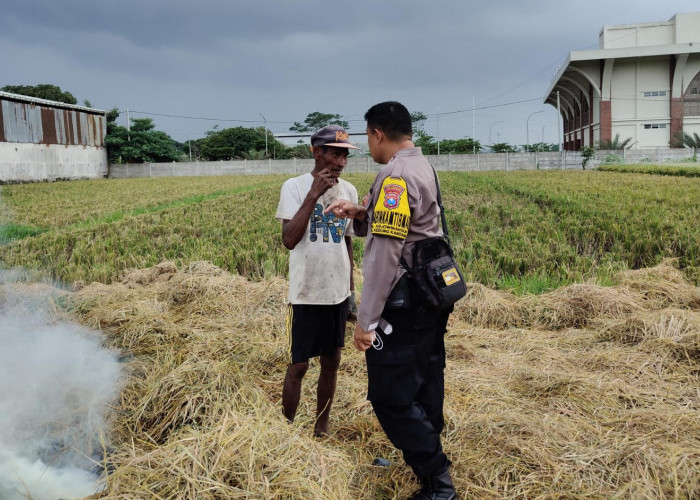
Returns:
<point x="438" y="487"/>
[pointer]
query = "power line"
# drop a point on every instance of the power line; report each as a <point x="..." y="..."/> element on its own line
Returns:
<point x="202" y="117"/>
<point x="357" y="120"/>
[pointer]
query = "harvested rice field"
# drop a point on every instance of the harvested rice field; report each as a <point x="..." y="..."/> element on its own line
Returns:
<point x="587" y="388"/>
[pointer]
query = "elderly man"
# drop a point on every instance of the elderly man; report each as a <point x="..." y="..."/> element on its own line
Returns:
<point x="320" y="270"/>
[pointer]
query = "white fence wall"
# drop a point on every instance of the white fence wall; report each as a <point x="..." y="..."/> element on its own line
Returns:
<point x="460" y="163"/>
<point x="27" y="162"/>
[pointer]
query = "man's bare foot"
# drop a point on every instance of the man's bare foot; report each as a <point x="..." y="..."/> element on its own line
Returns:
<point x="320" y="433"/>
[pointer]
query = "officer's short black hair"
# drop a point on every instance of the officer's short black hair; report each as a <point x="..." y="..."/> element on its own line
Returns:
<point x="392" y="118"/>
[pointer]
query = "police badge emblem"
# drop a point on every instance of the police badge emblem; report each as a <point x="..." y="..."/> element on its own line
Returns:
<point x="392" y="195"/>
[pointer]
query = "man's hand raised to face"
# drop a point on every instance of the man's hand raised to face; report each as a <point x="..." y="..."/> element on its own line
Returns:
<point x="323" y="181"/>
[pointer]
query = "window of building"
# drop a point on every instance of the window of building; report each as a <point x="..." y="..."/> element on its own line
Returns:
<point x="654" y="93"/>
<point x="654" y="125"/>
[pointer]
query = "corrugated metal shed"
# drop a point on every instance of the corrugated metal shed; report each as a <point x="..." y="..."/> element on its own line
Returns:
<point x="31" y="120"/>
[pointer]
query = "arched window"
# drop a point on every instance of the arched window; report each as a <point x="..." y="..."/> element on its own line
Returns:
<point x="691" y="98"/>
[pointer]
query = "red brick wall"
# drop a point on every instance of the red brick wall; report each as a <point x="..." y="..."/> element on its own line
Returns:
<point x="605" y="121"/>
<point x="676" y="120"/>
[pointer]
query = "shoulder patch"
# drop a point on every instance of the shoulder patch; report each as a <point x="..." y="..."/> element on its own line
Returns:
<point x="392" y="215"/>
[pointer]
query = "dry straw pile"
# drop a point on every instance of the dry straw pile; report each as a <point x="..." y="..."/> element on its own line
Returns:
<point x="584" y="392"/>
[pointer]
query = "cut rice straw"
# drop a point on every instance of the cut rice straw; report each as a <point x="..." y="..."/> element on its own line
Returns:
<point x="583" y="392"/>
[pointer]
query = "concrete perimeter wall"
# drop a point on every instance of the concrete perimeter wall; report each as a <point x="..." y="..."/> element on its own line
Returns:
<point x="27" y="162"/>
<point x="462" y="163"/>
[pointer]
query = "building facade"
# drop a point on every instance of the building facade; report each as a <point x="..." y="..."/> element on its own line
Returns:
<point x="47" y="140"/>
<point x="643" y="83"/>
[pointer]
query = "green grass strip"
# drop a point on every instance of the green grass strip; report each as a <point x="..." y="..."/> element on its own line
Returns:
<point x="10" y="232"/>
<point x="673" y="170"/>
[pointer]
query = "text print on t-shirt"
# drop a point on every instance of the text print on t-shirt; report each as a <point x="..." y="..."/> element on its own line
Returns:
<point x="326" y="223"/>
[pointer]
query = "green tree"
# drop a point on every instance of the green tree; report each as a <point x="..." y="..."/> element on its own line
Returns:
<point x="425" y="142"/>
<point x="42" y="91"/>
<point x="233" y="143"/>
<point x="140" y="144"/>
<point x="447" y="146"/>
<point x="540" y="147"/>
<point x="691" y="141"/>
<point x="301" y="151"/>
<point x="317" y="120"/>
<point x="460" y="146"/>
<point x="615" y="144"/>
<point x="503" y="147"/>
<point x="587" y="153"/>
<point x="417" y="119"/>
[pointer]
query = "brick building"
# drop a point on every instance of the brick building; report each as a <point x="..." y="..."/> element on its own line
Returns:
<point x="643" y="82"/>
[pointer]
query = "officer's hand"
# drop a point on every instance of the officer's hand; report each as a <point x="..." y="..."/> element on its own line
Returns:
<point x="363" y="340"/>
<point x="346" y="209"/>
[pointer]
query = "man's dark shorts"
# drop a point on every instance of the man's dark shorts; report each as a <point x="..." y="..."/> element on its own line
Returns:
<point x="315" y="330"/>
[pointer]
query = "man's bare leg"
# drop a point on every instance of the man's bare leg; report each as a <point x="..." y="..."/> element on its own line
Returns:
<point x="325" y="391"/>
<point x="291" y="390"/>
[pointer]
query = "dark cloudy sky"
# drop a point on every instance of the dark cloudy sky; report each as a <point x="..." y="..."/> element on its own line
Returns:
<point x="226" y="62"/>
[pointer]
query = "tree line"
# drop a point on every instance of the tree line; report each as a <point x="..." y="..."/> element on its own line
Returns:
<point x="140" y="142"/>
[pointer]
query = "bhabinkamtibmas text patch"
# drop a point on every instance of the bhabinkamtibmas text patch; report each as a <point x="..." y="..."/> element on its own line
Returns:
<point x="392" y="215"/>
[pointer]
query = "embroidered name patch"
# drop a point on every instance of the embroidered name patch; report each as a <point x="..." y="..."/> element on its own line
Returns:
<point x="392" y="215"/>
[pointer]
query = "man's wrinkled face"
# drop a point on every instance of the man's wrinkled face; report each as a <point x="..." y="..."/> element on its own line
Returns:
<point x="332" y="158"/>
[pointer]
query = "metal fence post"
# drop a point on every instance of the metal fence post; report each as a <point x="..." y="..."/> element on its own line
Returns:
<point x="561" y="160"/>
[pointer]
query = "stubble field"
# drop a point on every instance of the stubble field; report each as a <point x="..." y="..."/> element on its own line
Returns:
<point x="573" y="363"/>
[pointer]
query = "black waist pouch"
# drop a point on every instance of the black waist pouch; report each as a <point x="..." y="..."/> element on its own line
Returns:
<point x="400" y="296"/>
<point x="437" y="280"/>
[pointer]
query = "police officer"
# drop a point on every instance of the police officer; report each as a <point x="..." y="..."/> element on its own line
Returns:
<point x="403" y="341"/>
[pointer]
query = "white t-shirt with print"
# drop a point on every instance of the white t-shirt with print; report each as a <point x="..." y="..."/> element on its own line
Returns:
<point x="319" y="266"/>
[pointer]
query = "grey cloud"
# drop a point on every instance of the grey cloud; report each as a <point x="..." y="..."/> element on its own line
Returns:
<point x="288" y="58"/>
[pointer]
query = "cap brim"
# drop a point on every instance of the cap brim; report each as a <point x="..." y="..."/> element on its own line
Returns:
<point x="341" y="145"/>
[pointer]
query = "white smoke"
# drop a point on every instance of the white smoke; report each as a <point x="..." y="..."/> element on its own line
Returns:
<point x="56" y="385"/>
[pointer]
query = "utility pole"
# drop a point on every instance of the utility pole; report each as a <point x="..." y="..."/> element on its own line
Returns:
<point x="265" y="122"/>
<point x="128" y="126"/>
<point x="438" y="128"/>
<point x="473" y="126"/>
<point x="560" y="133"/>
<point x="527" y="127"/>
<point x="491" y="128"/>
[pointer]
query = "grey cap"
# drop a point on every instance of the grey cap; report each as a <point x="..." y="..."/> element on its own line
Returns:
<point x="331" y="135"/>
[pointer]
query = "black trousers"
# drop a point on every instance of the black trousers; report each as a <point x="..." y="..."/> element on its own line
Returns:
<point x="406" y="386"/>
